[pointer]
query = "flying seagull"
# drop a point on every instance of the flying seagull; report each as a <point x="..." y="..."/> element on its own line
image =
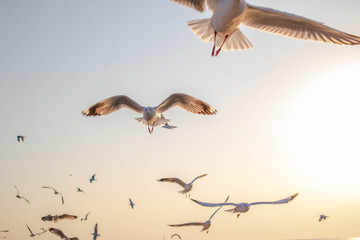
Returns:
<point x="131" y="203"/>
<point x="166" y="125"/>
<point x="187" y="187"/>
<point x="34" y="234"/>
<point x="4" y="231"/>
<point x="56" y="218"/>
<point x="56" y="193"/>
<point x="223" y="26"/>
<point x="244" y="207"/>
<point x="323" y="217"/>
<point x="95" y="234"/>
<point x="79" y="190"/>
<point x="20" y="138"/>
<point x="150" y="114"/>
<point x="86" y="217"/>
<point x="176" y="235"/>
<point x="20" y="197"/>
<point x="60" y="234"/>
<point x="92" y="178"/>
<point x="206" y="225"/>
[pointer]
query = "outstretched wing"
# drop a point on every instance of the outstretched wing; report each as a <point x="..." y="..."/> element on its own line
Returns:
<point x="58" y="233"/>
<point x="112" y="104"/>
<point x="25" y="199"/>
<point x="218" y="208"/>
<point x="186" y="102"/>
<point x="29" y="230"/>
<point x="294" y="26"/>
<point x="198" y="177"/>
<point x="62" y="198"/>
<point x="67" y="216"/>
<point x="50" y="188"/>
<point x="176" y="235"/>
<point x="187" y="224"/>
<point x="282" y="201"/>
<point x="17" y="190"/>
<point x="173" y="180"/>
<point x="213" y="204"/>
<point x="198" y="5"/>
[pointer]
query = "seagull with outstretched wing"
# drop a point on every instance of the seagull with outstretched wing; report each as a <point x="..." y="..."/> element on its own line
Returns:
<point x="93" y="178"/>
<point x="244" y="207"/>
<point x="56" y="218"/>
<point x="176" y="235"/>
<point x="60" y="234"/>
<point x="86" y="217"/>
<point x="4" y="231"/>
<point x="206" y="225"/>
<point x="95" y="234"/>
<point x="20" y="197"/>
<point x="223" y="27"/>
<point x="131" y="203"/>
<point x="150" y="114"/>
<point x="187" y="186"/>
<point x="20" y="138"/>
<point x="35" y="234"/>
<point x="79" y="190"/>
<point x="323" y="217"/>
<point x="56" y="193"/>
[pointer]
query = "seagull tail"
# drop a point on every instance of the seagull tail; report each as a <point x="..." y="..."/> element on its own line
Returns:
<point x="236" y="41"/>
<point x="202" y="28"/>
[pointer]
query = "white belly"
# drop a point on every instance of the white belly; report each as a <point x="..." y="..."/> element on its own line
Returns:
<point x="228" y="16"/>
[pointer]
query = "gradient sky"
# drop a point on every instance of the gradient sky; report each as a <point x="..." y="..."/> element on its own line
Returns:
<point x="288" y="121"/>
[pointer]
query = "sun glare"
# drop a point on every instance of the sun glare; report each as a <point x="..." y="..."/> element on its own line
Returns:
<point x="323" y="130"/>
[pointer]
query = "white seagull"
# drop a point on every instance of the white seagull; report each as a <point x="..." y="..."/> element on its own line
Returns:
<point x="223" y="26"/>
<point x="20" y="197"/>
<point x="60" y="234"/>
<point x="56" y="218"/>
<point x="96" y="232"/>
<point x="206" y="225"/>
<point x="86" y="217"/>
<point x="34" y="234"/>
<point x="56" y="193"/>
<point x="187" y="186"/>
<point x="150" y="114"/>
<point x="93" y="178"/>
<point x="244" y="207"/>
<point x="20" y="138"/>
<point x="323" y="217"/>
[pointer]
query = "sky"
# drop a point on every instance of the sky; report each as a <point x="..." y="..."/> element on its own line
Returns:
<point x="288" y="122"/>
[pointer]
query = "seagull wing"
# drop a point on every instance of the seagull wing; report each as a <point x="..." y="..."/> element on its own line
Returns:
<point x="186" y="102"/>
<point x="175" y="235"/>
<point x="218" y="209"/>
<point x="198" y="177"/>
<point x="50" y="188"/>
<point x="4" y="230"/>
<point x="173" y="180"/>
<point x="187" y="224"/>
<point x="213" y="204"/>
<point x="62" y="198"/>
<point x="58" y="233"/>
<point x="112" y="104"/>
<point x="25" y="199"/>
<point x="67" y="216"/>
<point x="17" y="190"/>
<point x="29" y="230"/>
<point x="282" y="201"/>
<point x="198" y="5"/>
<point x="212" y="4"/>
<point x="294" y="26"/>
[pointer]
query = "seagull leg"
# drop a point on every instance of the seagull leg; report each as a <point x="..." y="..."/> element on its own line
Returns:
<point x="149" y="129"/>
<point x="213" y="50"/>
<point x="218" y="51"/>
<point x="238" y="215"/>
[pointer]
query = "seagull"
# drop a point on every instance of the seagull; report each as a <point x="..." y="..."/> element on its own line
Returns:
<point x="20" y="138"/>
<point x="176" y="235"/>
<point x="95" y="232"/>
<point x="56" y="193"/>
<point x="86" y="216"/>
<point x="244" y="207"/>
<point x="79" y="190"/>
<point x="56" y="218"/>
<point x="131" y="203"/>
<point x="20" y="197"/>
<point x="150" y="114"/>
<point x="206" y="225"/>
<point x="166" y="125"/>
<point x="187" y="187"/>
<point x="223" y="26"/>
<point x="4" y="231"/>
<point x="33" y="235"/>
<point x="323" y="217"/>
<point x="92" y="178"/>
<point x="60" y="234"/>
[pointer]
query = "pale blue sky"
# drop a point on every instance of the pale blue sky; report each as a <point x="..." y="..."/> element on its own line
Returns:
<point x="287" y="122"/>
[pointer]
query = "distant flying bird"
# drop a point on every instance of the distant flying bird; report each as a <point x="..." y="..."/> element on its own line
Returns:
<point x="176" y="235"/>
<point x="244" y="207"/>
<point x="4" y="231"/>
<point x="20" y="138"/>
<point x="56" y="218"/>
<point x="323" y="217"/>
<point x="187" y="187"/>
<point x="223" y="27"/>
<point x="206" y="225"/>
<point x="60" y="234"/>
<point x="95" y="234"/>
<point x="79" y="190"/>
<point x="56" y="193"/>
<point x="150" y="114"/>
<point x="131" y="203"/>
<point x="92" y="178"/>
<point x="166" y="125"/>
<point x="86" y="217"/>
<point x="20" y="197"/>
<point x="34" y="234"/>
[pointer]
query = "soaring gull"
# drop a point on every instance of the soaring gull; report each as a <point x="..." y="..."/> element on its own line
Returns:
<point x="20" y="138"/>
<point x="93" y="178"/>
<point x="223" y="26"/>
<point x="131" y="203"/>
<point x="56" y="218"/>
<point x="79" y="190"/>
<point x="95" y="234"/>
<point x="56" y="193"/>
<point x="187" y="186"/>
<point x="244" y="207"/>
<point x="86" y="217"/>
<point x="60" y="234"/>
<point x="20" y="197"/>
<point x="206" y="225"/>
<point x="150" y="114"/>
<point x="323" y="217"/>
<point x="176" y="235"/>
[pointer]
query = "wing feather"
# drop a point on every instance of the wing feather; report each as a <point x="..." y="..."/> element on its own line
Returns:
<point x="294" y="26"/>
<point x="282" y="201"/>
<point x="198" y="5"/>
<point x="67" y="216"/>
<point x="57" y="232"/>
<point x="112" y="104"/>
<point x="173" y="180"/>
<point x="187" y="224"/>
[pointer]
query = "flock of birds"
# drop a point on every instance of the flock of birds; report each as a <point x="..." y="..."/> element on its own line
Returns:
<point x="223" y="30"/>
